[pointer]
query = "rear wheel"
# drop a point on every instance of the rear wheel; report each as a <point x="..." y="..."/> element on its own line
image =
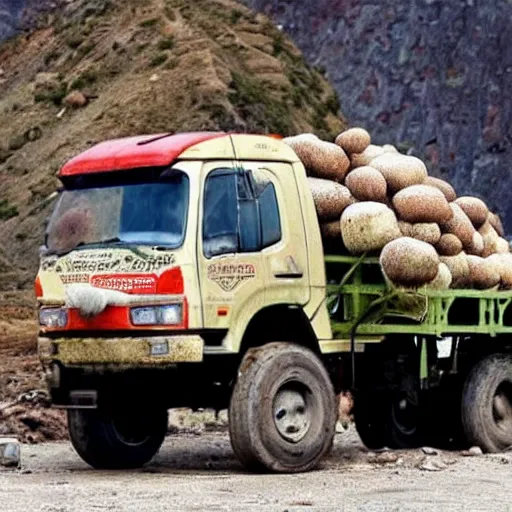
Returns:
<point x="487" y="404"/>
<point x="116" y="440"/>
<point x="443" y="420"/>
<point x="387" y="408"/>
<point x="282" y="413"/>
<point x="405" y="421"/>
<point x="369" y="419"/>
<point x="388" y="418"/>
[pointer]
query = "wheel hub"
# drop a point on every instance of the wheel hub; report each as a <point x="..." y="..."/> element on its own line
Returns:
<point x="404" y="414"/>
<point x="292" y="416"/>
<point x="130" y="430"/>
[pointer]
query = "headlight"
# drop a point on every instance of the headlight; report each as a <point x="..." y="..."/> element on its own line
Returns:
<point x="157" y="315"/>
<point x="170" y="315"/>
<point x="53" y="317"/>
<point x="143" y="316"/>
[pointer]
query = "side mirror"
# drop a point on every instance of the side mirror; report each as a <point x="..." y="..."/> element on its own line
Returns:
<point x="43" y="251"/>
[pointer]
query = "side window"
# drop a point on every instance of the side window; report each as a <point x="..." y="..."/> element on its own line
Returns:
<point x="249" y="225"/>
<point x="220" y="224"/>
<point x="241" y="212"/>
<point x="270" y="220"/>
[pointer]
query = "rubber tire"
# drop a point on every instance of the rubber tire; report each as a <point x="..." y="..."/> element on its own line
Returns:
<point x="443" y="420"/>
<point x="96" y="440"/>
<point x="477" y="403"/>
<point x="385" y="381"/>
<point x="369" y="419"/>
<point x="373" y="417"/>
<point x="254" y="435"/>
<point x="398" y="438"/>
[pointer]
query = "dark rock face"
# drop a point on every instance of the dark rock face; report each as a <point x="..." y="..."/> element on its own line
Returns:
<point x="17" y="15"/>
<point x="10" y="15"/>
<point x="433" y="77"/>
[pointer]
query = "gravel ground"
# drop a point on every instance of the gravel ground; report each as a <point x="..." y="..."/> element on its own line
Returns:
<point x="199" y="472"/>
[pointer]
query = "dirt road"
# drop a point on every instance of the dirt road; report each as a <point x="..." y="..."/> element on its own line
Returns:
<point x="194" y="472"/>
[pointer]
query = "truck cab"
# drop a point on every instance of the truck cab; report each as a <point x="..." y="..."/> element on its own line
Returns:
<point x="187" y="270"/>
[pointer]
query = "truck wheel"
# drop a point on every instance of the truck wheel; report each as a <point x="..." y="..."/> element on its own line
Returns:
<point x="116" y="441"/>
<point x="282" y="414"/>
<point x="369" y="419"/>
<point x="388" y="418"/>
<point x="487" y="404"/>
<point x="405" y="420"/>
<point x="442" y="419"/>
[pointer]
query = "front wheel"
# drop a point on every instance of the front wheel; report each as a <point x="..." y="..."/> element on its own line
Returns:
<point x="282" y="414"/>
<point x="487" y="404"/>
<point x="116" y="439"/>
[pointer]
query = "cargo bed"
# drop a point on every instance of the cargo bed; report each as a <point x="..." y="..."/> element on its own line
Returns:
<point x="361" y="302"/>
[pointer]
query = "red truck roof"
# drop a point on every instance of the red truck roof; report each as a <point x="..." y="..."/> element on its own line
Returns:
<point x="134" y="152"/>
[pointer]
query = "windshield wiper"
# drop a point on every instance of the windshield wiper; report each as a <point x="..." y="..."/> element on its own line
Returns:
<point x="114" y="239"/>
<point x="82" y="245"/>
<point x="45" y="251"/>
<point x="162" y="247"/>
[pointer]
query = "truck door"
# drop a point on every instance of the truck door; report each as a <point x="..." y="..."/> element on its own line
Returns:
<point x="283" y="246"/>
<point x="252" y="244"/>
<point x="231" y="274"/>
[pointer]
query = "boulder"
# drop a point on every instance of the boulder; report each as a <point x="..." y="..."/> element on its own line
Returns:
<point x="483" y="273"/>
<point x="421" y="203"/>
<point x="443" y="279"/>
<point x="448" y="245"/>
<point x="354" y="140"/>
<point x="321" y="159"/>
<point x="460" y="226"/>
<point x="368" y="226"/>
<point x="474" y="208"/>
<point x="75" y="99"/>
<point x="10" y="452"/>
<point x="443" y="186"/>
<point x="409" y="262"/>
<point x="400" y="171"/>
<point x="364" y="158"/>
<point x="330" y="198"/>
<point x="459" y="269"/>
<point x="367" y="184"/>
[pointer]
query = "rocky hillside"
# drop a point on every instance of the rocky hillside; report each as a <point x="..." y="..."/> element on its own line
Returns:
<point x="433" y="77"/>
<point x="106" y="68"/>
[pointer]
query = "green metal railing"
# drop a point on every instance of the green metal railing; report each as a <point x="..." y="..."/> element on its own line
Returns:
<point x="361" y="301"/>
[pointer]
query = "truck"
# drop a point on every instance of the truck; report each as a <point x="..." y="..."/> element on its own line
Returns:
<point x="188" y="270"/>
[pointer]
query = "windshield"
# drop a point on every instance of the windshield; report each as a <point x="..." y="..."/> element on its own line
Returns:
<point x="142" y="213"/>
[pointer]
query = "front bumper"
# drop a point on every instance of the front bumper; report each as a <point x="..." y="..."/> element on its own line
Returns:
<point x="151" y="351"/>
